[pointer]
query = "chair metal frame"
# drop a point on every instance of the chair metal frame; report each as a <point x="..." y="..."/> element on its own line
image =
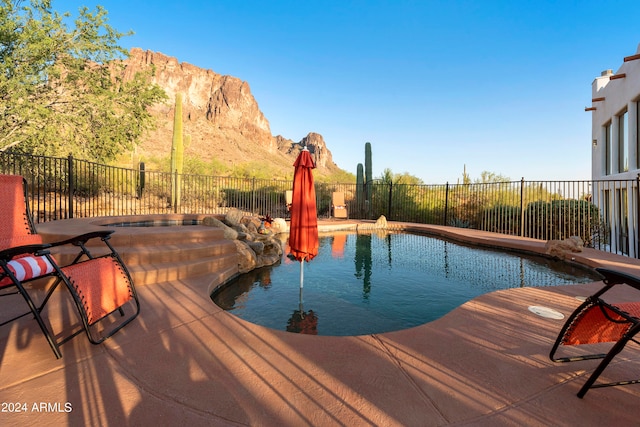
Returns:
<point x="618" y="323"/>
<point x="84" y="259"/>
<point x="6" y="256"/>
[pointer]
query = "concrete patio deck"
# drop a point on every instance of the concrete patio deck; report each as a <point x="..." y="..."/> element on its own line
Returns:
<point x="184" y="361"/>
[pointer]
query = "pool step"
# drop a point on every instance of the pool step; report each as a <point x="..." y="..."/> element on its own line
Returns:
<point x="174" y="251"/>
<point x="182" y="269"/>
<point x="159" y="254"/>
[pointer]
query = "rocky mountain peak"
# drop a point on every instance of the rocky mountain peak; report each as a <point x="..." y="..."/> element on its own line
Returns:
<point x="314" y="143"/>
<point x="220" y="114"/>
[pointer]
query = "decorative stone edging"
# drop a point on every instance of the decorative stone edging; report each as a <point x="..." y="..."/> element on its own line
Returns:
<point x="256" y="247"/>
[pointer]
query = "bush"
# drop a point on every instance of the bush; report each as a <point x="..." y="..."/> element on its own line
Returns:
<point x="501" y="219"/>
<point x="560" y="219"/>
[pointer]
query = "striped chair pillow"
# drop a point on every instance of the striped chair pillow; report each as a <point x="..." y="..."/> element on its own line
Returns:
<point x="28" y="267"/>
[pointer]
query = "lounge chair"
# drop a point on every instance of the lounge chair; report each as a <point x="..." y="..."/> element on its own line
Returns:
<point x="99" y="285"/>
<point x="597" y="321"/>
<point x="338" y="206"/>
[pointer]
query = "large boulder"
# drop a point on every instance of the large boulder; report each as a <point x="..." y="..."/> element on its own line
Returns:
<point x="247" y="259"/>
<point x="559" y="248"/>
<point x="271" y="252"/>
<point x="234" y="217"/>
<point x="381" y="223"/>
<point x="257" y="247"/>
<point x="229" y="233"/>
<point x="279" y="225"/>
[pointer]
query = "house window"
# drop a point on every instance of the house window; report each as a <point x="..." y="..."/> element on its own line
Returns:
<point x="608" y="154"/>
<point x="623" y="142"/>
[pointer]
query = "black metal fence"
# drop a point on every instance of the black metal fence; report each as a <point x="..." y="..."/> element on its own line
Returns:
<point x="603" y="213"/>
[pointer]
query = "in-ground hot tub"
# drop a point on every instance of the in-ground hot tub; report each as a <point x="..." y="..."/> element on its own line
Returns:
<point x="155" y="223"/>
<point x="130" y="230"/>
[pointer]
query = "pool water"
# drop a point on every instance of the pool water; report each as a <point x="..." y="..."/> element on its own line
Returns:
<point x="373" y="283"/>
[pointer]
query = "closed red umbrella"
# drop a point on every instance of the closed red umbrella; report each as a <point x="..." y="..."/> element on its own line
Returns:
<point x="303" y="234"/>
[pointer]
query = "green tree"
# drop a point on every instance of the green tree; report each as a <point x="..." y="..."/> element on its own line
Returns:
<point x="387" y="176"/>
<point x="489" y="177"/>
<point x="61" y="87"/>
<point x="407" y="178"/>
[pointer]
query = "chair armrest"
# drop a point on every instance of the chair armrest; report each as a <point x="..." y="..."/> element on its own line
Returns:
<point x="38" y="249"/>
<point x="612" y="277"/>
<point x="83" y="238"/>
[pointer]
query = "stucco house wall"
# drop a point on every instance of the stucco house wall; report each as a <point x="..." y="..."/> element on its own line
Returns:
<point x="616" y="153"/>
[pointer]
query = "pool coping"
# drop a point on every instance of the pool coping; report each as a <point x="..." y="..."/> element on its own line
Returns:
<point x="184" y="360"/>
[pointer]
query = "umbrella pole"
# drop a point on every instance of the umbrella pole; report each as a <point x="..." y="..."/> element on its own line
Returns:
<point x="301" y="274"/>
<point x="300" y="306"/>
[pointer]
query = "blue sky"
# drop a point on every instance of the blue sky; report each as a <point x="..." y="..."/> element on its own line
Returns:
<point x="498" y="86"/>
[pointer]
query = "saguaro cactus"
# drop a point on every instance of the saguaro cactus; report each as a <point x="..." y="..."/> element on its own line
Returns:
<point x="360" y="188"/>
<point x="367" y="162"/>
<point x="177" y="153"/>
<point x="368" y="175"/>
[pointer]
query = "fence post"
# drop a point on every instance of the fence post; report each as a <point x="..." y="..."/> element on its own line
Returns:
<point x="522" y="207"/>
<point x="70" y="186"/>
<point x="141" y="179"/>
<point x="390" y="196"/>
<point x="446" y="204"/>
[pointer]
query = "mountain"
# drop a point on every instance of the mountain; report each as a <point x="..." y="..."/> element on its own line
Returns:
<point x="223" y="119"/>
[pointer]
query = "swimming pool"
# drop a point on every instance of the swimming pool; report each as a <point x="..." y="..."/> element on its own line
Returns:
<point x="362" y="283"/>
